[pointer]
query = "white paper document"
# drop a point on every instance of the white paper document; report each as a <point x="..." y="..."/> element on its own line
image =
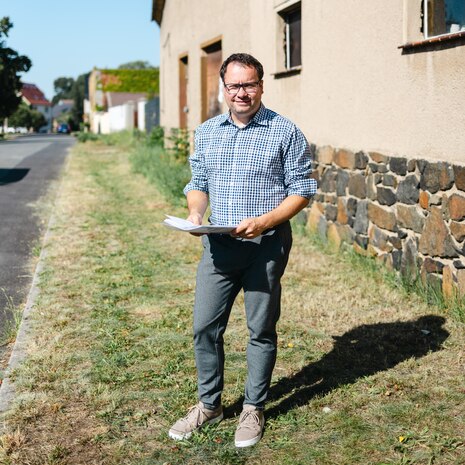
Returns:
<point x="179" y="224"/>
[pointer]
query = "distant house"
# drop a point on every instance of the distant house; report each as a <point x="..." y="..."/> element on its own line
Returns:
<point x="62" y="106"/>
<point x="36" y="100"/>
<point x="118" y="100"/>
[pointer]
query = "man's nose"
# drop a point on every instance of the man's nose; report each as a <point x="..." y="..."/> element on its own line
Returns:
<point x="241" y="92"/>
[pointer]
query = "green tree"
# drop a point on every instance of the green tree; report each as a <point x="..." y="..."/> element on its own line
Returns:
<point x="63" y="87"/>
<point x="138" y="64"/>
<point x="27" y="118"/>
<point x="37" y="120"/>
<point x="21" y="117"/>
<point x="75" y="89"/>
<point x="11" y="64"/>
<point x="78" y="94"/>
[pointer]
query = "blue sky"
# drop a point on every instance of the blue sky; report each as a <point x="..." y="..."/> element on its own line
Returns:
<point x="69" y="38"/>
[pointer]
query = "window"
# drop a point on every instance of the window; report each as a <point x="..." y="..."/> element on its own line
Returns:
<point x="292" y="36"/>
<point x="443" y="17"/>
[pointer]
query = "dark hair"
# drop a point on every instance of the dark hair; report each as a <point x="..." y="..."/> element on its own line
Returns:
<point x="245" y="60"/>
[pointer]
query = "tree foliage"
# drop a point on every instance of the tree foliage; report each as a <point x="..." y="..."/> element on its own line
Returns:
<point x="11" y="64"/>
<point x="63" y="87"/>
<point x="27" y="118"/>
<point x="137" y="64"/>
<point x="21" y="117"/>
<point x="75" y="89"/>
<point x="130" y="80"/>
<point x="78" y="94"/>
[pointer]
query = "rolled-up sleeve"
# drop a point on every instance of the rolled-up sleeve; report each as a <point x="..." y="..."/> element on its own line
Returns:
<point x="298" y="157"/>
<point x="198" y="180"/>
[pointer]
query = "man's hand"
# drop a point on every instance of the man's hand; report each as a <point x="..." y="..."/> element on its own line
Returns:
<point x="249" y="228"/>
<point x="253" y="227"/>
<point x="195" y="218"/>
<point x="197" y="203"/>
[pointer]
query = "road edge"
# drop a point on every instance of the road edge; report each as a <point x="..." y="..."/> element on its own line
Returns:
<point x="19" y="351"/>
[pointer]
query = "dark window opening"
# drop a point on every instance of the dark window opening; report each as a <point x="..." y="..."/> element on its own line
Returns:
<point x="183" y="83"/>
<point x="292" y="37"/>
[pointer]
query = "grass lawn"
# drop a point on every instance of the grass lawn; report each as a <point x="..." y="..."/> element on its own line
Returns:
<point x="365" y="373"/>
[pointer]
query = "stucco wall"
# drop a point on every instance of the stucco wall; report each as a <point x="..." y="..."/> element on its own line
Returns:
<point x="184" y="29"/>
<point x="356" y="88"/>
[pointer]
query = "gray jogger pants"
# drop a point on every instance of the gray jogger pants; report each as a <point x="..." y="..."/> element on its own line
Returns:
<point x="227" y="265"/>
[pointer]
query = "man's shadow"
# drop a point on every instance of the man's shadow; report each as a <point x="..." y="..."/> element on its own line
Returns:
<point x="362" y="351"/>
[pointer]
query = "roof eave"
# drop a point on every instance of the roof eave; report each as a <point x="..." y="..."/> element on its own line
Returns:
<point x="157" y="10"/>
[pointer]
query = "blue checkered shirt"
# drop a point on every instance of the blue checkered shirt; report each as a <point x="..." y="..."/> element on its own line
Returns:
<point x="249" y="171"/>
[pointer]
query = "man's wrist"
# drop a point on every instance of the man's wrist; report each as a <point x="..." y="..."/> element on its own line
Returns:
<point x="265" y="222"/>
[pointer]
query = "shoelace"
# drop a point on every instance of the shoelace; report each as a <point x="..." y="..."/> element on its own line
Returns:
<point x="193" y="416"/>
<point x="249" y="419"/>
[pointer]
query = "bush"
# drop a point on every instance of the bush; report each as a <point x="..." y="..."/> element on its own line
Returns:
<point x="86" y="136"/>
<point x="121" y="138"/>
<point x="84" y="127"/>
<point x="179" y="144"/>
<point x="156" y="138"/>
<point x="169" y="174"/>
<point x="27" y="118"/>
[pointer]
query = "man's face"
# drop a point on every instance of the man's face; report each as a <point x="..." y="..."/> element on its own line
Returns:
<point x="243" y="105"/>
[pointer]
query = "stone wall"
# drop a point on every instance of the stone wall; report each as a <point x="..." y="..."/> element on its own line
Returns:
<point x="408" y="213"/>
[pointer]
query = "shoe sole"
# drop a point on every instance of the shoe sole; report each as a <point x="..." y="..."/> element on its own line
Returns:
<point x="249" y="442"/>
<point x="181" y="436"/>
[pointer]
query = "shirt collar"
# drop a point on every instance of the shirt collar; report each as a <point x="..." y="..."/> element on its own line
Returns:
<point x="260" y="118"/>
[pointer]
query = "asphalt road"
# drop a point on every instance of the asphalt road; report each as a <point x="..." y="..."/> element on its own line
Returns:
<point x="28" y="165"/>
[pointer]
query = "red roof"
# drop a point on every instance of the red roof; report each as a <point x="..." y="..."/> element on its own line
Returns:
<point x="34" y="95"/>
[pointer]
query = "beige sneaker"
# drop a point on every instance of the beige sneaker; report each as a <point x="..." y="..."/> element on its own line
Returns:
<point x="250" y="428"/>
<point x="197" y="417"/>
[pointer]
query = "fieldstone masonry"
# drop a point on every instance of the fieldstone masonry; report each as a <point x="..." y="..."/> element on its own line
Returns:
<point x="408" y="213"/>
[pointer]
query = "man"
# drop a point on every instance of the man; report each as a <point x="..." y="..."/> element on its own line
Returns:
<point x="253" y="166"/>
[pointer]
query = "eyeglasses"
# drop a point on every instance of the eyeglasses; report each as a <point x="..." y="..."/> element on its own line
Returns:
<point x="249" y="87"/>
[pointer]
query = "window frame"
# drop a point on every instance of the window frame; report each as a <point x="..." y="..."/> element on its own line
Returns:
<point x="426" y="36"/>
<point x="284" y="15"/>
<point x="415" y="16"/>
<point x="209" y="48"/>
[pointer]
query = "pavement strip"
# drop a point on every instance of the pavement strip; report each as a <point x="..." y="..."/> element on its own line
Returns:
<point x="19" y="352"/>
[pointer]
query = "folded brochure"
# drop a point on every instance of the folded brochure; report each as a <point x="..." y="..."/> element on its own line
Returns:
<point x="180" y="224"/>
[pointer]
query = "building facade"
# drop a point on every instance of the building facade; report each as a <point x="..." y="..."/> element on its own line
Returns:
<point x="123" y="108"/>
<point x="35" y="99"/>
<point x="376" y="86"/>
